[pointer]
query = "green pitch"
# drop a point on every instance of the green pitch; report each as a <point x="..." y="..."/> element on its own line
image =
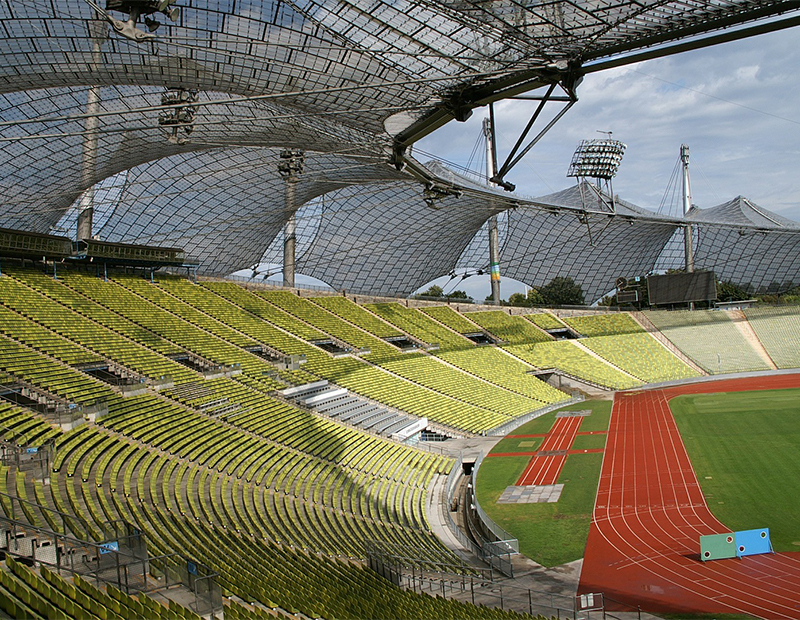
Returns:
<point x="550" y="534"/>
<point x="744" y="450"/>
<point x="743" y="447"/>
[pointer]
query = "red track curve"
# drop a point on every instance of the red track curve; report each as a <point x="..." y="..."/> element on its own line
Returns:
<point x="643" y="545"/>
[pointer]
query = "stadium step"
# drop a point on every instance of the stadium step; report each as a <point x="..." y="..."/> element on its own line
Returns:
<point x="333" y="401"/>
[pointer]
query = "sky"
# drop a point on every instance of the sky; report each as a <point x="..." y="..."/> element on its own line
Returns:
<point x="735" y="105"/>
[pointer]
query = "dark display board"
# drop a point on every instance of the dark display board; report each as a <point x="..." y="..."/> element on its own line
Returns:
<point x="677" y="288"/>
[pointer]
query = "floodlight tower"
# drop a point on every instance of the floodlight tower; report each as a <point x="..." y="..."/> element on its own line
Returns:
<point x="687" y="206"/>
<point x="598" y="160"/>
<point x="494" y="237"/>
<point x="290" y="167"/>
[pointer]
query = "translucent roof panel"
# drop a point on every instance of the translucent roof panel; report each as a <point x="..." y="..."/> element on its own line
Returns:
<point x="749" y="257"/>
<point x="45" y="170"/>
<point x="350" y="82"/>
<point x="378" y="56"/>
<point x="593" y="250"/>
<point x="554" y="236"/>
<point x="387" y="240"/>
<point x="223" y="207"/>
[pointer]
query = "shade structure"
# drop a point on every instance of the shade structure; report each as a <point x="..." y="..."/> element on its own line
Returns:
<point x="350" y="83"/>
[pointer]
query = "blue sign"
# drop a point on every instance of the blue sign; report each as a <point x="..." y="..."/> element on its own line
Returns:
<point x="31" y="450"/>
<point x="753" y="542"/>
<point x="109" y="547"/>
<point x="191" y="568"/>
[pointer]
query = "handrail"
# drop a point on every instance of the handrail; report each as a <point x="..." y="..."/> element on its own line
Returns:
<point x="507" y="427"/>
<point x="486" y="552"/>
<point x="500" y="533"/>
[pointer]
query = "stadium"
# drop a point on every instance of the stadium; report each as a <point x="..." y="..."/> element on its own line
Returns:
<point x="180" y="440"/>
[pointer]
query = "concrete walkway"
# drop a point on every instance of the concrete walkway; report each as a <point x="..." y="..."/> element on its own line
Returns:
<point x="547" y="591"/>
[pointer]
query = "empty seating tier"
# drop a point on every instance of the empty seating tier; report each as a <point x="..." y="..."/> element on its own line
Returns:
<point x="545" y="320"/>
<point x="269" y="312"/>
<point x="570" y="358"/>
<point x="778" y="329"/>
<point x="356" y="375"/>
<point x="93" y="326"/>
<point x="710" y="338"/>
<point x="419" y="325"/>
<point x="512" y="329"/>
<point x="331" y="324"/>
<point x="621" y="341"/>
<point x="55" y="290"/>
<point x="53" y="377"/>
<point x="496" y="366"/>
<point x="38" y="337"/>
<point x="325" y="491"/>
<point x="30" y="593"/>
<point x="20" y="426"/>
<point x="451" y="318"/>
<point x="356" y="315"/>
<point x="615" y="324"/>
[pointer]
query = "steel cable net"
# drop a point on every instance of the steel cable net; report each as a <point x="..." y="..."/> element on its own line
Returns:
<point x="224" y="206"/>
<point x="80" y="106"/>
<point x="387" y="240"/>
<point x="44" y="171"/>
<point x="561" y="235"/>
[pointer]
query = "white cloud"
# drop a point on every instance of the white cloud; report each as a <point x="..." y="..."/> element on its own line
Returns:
<point x="734" y="104"/>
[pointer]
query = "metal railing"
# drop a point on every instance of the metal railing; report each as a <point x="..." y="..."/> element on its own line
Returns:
<point x="278" y="285"/>
<point x="477" y="587"/>
<point x="497" y="558"/>
<point x="121" y="559"/>
<point x="504" y="538"/>
<point x="507" y="427"/>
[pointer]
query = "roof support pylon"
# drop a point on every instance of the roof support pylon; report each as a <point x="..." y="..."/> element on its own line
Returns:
<point x="687" y="206"/>
<point x="494" y="237"/>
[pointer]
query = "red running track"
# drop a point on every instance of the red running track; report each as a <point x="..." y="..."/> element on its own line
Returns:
<point x="545" y="469"/>
<point x="643" y="546"/>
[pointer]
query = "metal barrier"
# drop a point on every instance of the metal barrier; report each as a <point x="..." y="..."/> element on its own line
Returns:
<point x="35" y="460"/>
<point x="121" y="558"/>
<point x="497" y="558"/>
<point x="477" y="587"/>
<point x="278" y="285"/>
<point x="113" y="561"/>
<point x="507" y="427"/>
<point x="503" y="537"/>
<point x="197" y="578"/>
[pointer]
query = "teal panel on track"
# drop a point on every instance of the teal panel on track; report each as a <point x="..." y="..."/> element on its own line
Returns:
<point x="717" y="547"/>
<point x="753" y="542"/>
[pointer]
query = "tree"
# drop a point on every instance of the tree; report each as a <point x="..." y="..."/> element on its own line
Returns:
<point x="457" y="295"/>
<point x="434" y="291"/>
<point x="518" y="299"/>
<point x="729" y="291"/>
<point x="562" y="291"/>
<point x="535" y="297"/>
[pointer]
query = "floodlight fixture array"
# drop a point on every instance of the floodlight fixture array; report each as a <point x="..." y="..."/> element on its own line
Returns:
<point x="181" y="115"/>
<point x="597" y="159"/>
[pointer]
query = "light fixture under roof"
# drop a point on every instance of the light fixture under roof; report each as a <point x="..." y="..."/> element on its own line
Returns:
<point x="140" y="8"/>
<point x="178" y="120"/>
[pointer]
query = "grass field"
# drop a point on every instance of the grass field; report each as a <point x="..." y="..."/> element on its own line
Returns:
<point x="743" y="447"/>
<point x="550" y="534"/>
